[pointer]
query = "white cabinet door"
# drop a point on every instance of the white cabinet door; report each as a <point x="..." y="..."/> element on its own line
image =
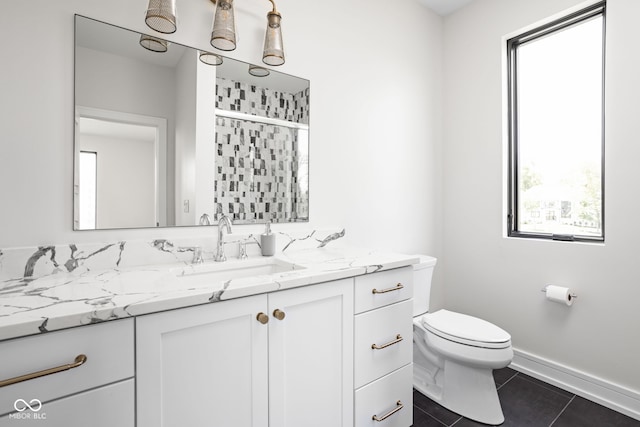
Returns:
<point x="217" y="365"/>
<point x="311" y="356"/>
<point x="203" y="366"/>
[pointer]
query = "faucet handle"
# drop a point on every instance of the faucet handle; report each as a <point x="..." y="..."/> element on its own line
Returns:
<point x="197" y="255"/>
<point x="242" y="247"/>
<point x="204" y="219"/>
<point x="242" y="250"/>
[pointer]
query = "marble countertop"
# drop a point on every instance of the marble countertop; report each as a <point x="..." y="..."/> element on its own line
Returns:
<point x="59" y="301"/>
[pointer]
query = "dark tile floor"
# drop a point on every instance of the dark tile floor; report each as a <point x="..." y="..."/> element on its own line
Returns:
<point x="526" y="402"/>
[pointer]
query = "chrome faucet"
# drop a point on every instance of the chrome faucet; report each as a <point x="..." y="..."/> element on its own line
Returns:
<point x="223" y="223"/>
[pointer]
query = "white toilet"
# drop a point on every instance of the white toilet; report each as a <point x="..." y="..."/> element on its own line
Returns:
<point x="454" y="355"/>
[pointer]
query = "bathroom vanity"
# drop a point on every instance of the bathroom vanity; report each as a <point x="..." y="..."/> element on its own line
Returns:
<point x="327" y="342"/>
<point x="280" y="359"/>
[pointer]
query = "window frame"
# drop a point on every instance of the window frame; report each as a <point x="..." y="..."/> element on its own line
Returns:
<point x="597" y="9"/>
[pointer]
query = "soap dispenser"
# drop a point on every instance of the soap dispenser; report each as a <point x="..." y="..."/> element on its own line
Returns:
<point x="268" y="241"/>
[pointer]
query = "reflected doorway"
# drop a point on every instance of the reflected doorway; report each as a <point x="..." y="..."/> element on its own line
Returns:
<point x="117" y="185"/>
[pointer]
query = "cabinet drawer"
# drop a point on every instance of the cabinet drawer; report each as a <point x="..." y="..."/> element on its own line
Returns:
<point x="390" y="287"/>
<point x="391" y="392"/>
<point x="384" y="326"/>
<point x="108" y="406"/>
<point x="107" y="346"/>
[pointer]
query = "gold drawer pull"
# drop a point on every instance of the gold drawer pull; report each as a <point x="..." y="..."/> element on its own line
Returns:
<point x="278" y="314"/>
<point x="396" y="341"/>
<point x="399" y="406"/>
<point x="384" y="291"/>
<point x="79" y="360"/>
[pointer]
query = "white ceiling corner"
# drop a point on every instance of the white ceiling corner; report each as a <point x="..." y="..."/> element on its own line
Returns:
<point x="445" y="7"/>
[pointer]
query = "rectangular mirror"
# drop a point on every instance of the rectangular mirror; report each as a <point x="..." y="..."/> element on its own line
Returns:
<point x="162" y="138"/>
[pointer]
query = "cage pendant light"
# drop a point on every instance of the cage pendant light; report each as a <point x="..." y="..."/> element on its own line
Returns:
<point x="273" y="53"/>
<point x="210" y="58"/>
<point x="161" y="16"/>
<point x="257" y="71"/>
<point x="223" y="34"/>
<point x="153" y="44"/>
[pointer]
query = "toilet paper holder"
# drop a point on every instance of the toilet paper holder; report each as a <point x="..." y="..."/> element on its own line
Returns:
<point x="573" y="295"/>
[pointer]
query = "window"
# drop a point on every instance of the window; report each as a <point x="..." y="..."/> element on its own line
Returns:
<point x="88" y="166"/>
<point x="556" y="129"/>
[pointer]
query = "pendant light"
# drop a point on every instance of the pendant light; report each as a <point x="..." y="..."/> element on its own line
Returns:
<point x="153" y="44"/>
<point x="223" y="34"/>
<point x="273" y="53"/>
<point x="161" y="16"/>
<point x="210" y="58"/>
<point x="258" y="71"/>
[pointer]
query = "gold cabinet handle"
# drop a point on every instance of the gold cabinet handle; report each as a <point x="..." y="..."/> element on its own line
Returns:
<point x="399" y="406"/>
<point x="384" y="291"/>
<point x="278" y="314"/>
<point x="79" y="360"/>
<point x="262" y="318"/>
<point x="396" y="341"/>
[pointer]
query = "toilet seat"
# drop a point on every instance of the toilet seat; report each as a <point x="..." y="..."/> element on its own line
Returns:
<point x="465" y="329"/>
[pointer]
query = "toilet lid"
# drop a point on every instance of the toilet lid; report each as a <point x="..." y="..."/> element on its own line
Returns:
<point x="466" y="329"/>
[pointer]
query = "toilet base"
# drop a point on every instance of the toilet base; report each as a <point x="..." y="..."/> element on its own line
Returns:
<point x="470" y="392"/>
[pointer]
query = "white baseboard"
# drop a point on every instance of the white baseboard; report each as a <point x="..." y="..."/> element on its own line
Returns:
<point x="613" y="396"/>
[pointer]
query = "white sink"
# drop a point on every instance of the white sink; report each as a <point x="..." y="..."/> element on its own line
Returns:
<point x="212" y="271"/>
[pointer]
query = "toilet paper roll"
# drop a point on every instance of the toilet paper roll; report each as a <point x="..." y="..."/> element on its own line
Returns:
<point x="559" y="294"/>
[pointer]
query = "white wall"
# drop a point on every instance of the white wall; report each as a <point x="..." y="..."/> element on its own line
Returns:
<point x="117" y="83"/>
<point x="500" y="279"/>
<point x="185" y="153"/>
<point x="375" y="72"/>
<point x="205" y="139"/>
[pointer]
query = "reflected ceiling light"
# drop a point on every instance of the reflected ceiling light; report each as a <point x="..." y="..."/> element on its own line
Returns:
<point x="210" y="58"/>
<point x="153" y="44"/>
<point x="161" y="16"/>
<point x="273" y="53"/>
<point x="257" y="71"/>
<point x="223" y="34"/>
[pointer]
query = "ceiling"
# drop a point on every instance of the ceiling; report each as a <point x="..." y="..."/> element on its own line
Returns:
<point x="445" y="7"/>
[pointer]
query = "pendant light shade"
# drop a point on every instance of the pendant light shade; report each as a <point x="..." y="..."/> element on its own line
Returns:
<point x="153" y="44"/>
<point x="223" y="35"/>
<point x="161" y="16"/>
<point x="210" y="58"/>
<point x="257" y="71"/>
<point x="273" y="53"/>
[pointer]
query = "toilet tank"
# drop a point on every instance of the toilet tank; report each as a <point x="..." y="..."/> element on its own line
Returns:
<point x="422" y="272"/>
